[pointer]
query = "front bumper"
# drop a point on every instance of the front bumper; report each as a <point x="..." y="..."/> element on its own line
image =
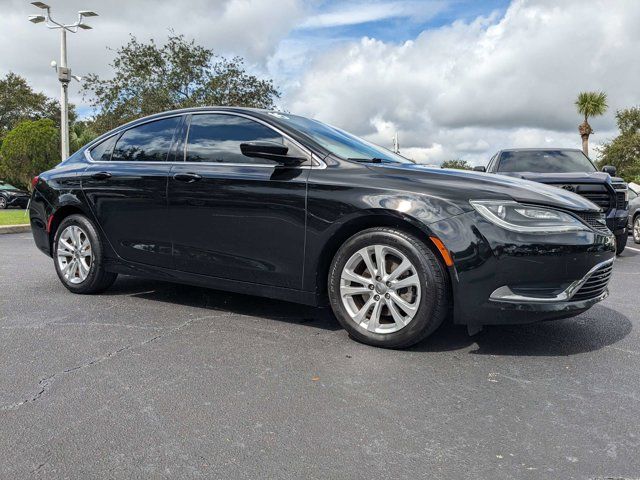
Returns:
<point x="617" y="221"/>
<point x="502" y="277"/>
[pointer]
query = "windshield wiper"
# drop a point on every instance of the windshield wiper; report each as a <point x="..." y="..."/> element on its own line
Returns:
<point x="371" y="160"/>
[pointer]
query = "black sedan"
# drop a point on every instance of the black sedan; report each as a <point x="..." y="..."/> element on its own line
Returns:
<point x="11" y="196"/>
<point x="279" y="205"/>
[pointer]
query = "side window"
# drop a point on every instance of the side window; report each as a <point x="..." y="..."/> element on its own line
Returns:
<point x="216" y="138"/>
<point x="492" y="163"/>
<point x="102" y="151"/>
<point x="149" y="142"/>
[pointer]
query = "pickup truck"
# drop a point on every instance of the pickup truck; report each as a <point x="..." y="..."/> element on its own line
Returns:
<point x="571" y="170"/>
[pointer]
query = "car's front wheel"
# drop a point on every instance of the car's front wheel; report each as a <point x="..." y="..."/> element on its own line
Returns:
<point x="3" y="203"/>
<point x="636" y="229"/>
<point x="78" y="256"/>
<point x="387" y="288"/>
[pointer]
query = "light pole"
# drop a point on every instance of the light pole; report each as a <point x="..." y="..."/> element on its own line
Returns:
<point x="64" y="72"/>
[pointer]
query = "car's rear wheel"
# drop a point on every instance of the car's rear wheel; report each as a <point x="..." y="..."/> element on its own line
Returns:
<point x="387" y="288"/>
<point x="78" y="256"/>
<point x="3" y="203"/>
<point x="636" y="229"/>
<point x="621" y="242"/>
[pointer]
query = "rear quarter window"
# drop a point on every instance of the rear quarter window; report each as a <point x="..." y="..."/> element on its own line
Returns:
<point x="102" y="152"/>
<point x="149" y="142"/>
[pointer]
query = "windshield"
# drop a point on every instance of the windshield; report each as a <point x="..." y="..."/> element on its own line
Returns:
<point x="338" y="141"/>
<point x="545" y="161"/>
<point x="6" y="186"/>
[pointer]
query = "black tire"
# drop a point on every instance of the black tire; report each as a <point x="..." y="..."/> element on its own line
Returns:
<point x="98" y="279"/>
<point x="433" y="304"/>
<point x="3" y="203"/>
<point x="636" y="229"/>
<point x="621" y="242"/>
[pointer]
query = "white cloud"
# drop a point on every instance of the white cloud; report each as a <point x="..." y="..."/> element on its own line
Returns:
<point x="467" y="89"/>
<point x="460" y="90"/>
<point x="250" y="28"/>
<point x="364" y="12"/>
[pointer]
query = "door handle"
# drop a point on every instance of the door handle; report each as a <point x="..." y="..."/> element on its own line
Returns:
<point x="101" y="175"/>
<point x="187" y="177"/>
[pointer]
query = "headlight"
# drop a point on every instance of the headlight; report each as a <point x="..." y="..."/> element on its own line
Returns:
<point x="517" y="217"/>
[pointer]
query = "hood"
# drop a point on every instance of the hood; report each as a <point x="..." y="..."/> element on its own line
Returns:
<point x="460" y="186"/>
<point x="571" y="177"/>
<point x="15" y="191"/>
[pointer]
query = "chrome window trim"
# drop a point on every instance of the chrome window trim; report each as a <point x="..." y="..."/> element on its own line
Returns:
<point x="316" y="162"/>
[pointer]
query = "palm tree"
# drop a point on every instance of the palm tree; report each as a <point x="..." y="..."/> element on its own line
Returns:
<point x="589" y="104"/>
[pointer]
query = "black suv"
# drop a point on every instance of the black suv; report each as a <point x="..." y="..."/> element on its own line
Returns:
<point x="571" y="170"/>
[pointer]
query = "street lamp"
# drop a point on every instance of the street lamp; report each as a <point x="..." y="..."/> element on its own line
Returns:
<point x="64" y="73"/>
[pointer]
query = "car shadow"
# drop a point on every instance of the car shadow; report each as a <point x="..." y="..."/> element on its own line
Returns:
<point x="590" y="331"/>
<point x="215" y="300"/>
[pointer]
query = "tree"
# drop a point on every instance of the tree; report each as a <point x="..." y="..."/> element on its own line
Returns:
<point x="623" y="152"/>
<point x="30" y="148"/>
<point x="457" y="163"/>
<point x="149" y="78"/>
<point x="19" y="102"/>
<point x="80" y="134"/>
<point x="589" y="104"/>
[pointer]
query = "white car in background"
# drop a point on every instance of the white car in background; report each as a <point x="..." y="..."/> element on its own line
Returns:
<point x="634" y="211"/>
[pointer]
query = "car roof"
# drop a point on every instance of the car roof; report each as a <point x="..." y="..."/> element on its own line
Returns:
<point x="548" y="149"/>
<point x="268" y="115"/>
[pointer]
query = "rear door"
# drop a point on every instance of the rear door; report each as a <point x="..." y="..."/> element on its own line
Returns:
<point x="125" y="185"/>
<point x="236" y="217"/>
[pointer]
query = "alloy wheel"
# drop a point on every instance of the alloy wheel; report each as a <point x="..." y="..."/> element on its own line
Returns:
<point x="636" y="230"/>
<point x="74" y="254"/>
<point x="3" y="203"/>
<point x="380" y="289"/>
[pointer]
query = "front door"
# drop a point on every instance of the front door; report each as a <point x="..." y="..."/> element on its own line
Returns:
<point x="126" y="188"/>
<point x="232" y="216"/>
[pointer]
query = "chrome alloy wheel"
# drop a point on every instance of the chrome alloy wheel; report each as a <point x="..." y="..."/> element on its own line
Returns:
<point x="74" y="254"/>
<point x="636" y="229"/>
<point x="380" y="289"/>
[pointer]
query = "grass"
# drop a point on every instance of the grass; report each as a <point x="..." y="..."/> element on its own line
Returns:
<point x="12" y="216"/>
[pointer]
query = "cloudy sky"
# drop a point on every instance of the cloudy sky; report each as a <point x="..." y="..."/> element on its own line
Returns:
<point x="455" y="78"/>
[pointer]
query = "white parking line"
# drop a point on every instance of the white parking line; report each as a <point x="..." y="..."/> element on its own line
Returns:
<point x="634" y="249"/>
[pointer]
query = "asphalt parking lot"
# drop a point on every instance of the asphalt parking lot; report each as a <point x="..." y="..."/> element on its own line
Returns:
<point x="154" y="380"/>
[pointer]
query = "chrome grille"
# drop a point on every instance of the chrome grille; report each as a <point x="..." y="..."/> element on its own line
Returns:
<point x="596" y="193"/>
<point x="595" y="220"/>
<point x="603" y="200"/>
<point x="595" y="285"/>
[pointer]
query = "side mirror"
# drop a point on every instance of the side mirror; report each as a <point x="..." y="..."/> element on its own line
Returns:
<point x="479" y="168"/>
<point x="610" y="169"/>
<point x="270" y="151"/>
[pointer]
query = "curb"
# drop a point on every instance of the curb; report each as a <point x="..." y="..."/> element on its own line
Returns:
<point x="14" y="229"/>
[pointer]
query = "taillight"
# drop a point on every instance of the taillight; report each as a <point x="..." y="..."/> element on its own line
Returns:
<point x="34" y="181"/>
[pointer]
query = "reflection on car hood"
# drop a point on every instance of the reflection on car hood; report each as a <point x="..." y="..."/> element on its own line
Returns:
<point x="571" y="177"/>
<point x="460" y="186"/>
<point x="16" y="192"/>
